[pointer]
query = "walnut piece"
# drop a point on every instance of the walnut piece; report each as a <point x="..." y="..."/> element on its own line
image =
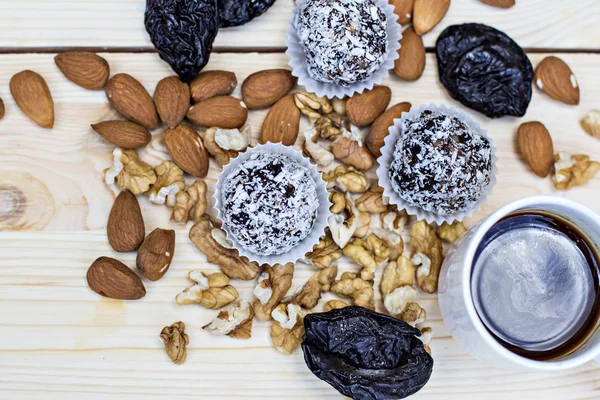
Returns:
<point x="329" y="127"/>
<point x="352" y="152"/>
<point x="392" y="240"/>
<point x="351" y="285"/>
<point x="338" y="202"/>
<point x="318" y="153"/>
<point x="272" y="286"/>
<point x="397" y="274"/>
<point x="429" y="255"/>
<point x="426" y="335"/>
<point x="339" y="105"/>
<point x="372" y="202"/>
<point x="311" y="105"/>
<point x="451" y="232"/>
<point x="287" y="331"/>
<point x="235" y="322"/>
<point x="210" y="291"/>
<point x="324" y="253"/>
<point x="334" y="305"/>
<point x="573" y="170"/>
<point x="413" y="314"/>
<point x="354" y="224"/>
<point x="169" y="182"/>
<point x="394" y="220"/>
<point x="129" y="172"/>
<point x="190" y="204"/>
<point x="224" y="144"/>
<point x="591" y="123"/>
<point x="175" y="340"/>
<point x="228" y="259"/>
<point x="399" y="293"/>
<point x="308" y="295"/>
<point x="367" y="253"/>
<point x="347" y="179"/>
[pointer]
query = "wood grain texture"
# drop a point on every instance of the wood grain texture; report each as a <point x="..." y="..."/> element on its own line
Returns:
<point x="120" y="23"/>
<point x="52" y="179"/>
<point x="63" y="340"/>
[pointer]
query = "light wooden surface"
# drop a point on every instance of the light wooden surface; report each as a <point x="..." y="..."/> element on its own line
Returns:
<point x="59" y="340"/>
<point x="119" y="23"/>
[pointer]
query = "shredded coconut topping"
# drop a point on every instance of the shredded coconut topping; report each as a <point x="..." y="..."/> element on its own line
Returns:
<point x="440" y="165"/>
<point x="269" y="203"/>
<point x="345" y="41"/>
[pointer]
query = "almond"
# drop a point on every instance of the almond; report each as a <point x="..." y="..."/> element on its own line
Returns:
<point x="83" y="68"/>
<point x="364" y="108"/>
<point x="111" y="278"/>
<point x="264" y="88"/>
<point x="428" y="13"/>
<point x="554" y="77"/>
<point x="33" y="97"/>
<point x="1" y="109"/>
<point x="125" y="226"/>
<point x="499" y="3"/>
<point x="221" y="111"/>
<point x="536" y="147"/>
<point x="591" y="123"/>
<point x="156" y="253"/>
<point x="172" y="99"/>
<point x="282" y="122"/>
<point x="403" y="9"/>
<point x="124" y="134"/>
<point x="131" y="100"/>
<point x="185" y="147"/>
<point x="379" y="129"/>
<point x="212" y="83"/>
<point x="411" y="64"/>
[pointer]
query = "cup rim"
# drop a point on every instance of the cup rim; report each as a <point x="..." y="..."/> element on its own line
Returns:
<point x="552" y="365"/>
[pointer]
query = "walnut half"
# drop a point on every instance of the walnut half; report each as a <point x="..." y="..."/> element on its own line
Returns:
<point x="210" y="291"/>
<point x="175" y="340"/>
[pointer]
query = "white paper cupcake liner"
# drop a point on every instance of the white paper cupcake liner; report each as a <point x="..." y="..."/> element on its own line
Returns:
<point x="323" y="89"/>
<point x="387" y="157"/>
<point x="323" y="213"/>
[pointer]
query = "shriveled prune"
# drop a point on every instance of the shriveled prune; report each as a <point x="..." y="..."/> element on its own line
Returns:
<point x="485" y="70"/>
<point x="366" y="355"/>
<point x="238" y="12"/>
<point x="183" y="32"/>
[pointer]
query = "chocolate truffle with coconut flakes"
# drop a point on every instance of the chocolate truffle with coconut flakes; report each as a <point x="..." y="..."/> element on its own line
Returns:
<point x="440" y="164"/>
<point x="345" y="41"/>
<point x="269" y="203"/>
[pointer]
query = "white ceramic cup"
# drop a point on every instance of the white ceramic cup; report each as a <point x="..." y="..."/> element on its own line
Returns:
<point x="456" y="300"/>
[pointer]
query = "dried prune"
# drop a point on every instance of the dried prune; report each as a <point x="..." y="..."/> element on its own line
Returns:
<point x="485" y="70"/>
<point x="238" y="12"/>
<point x="183" y="32"/>
<point x="366" y="355"/>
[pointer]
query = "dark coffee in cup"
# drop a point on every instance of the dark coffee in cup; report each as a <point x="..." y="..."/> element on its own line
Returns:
<point x="535" y="285"/>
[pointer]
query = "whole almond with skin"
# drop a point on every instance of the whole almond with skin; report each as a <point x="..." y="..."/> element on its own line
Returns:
<point x="156" y="253"/>
<point x="536" y="147"/>
<point x="83" y="68"/>
<point x="223" y="111"/>
<point x="125" y="226"/>
<point x="428" y="13"/>
<point x="403" y="9"/>
<point x="124" y="134"/>
<point x="282" y="122"/>
<point x="411" y="64"/>
<point x="185" y="147"/>
<point x="264" y="88"/>
<point x="554" y="77"/>
<point x="212" y="83"/>
<point x="364" y="108"/>
<point x="172" y="100"/>
<point x="379" y="129"/>
<point x="131" y="100"/>
<point x="111" y="278"/>
<point x="33" y="97"/>
<point x="1" y="109"/>
<point x="499" y="3"/>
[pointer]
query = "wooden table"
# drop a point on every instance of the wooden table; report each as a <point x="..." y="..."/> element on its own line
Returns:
<point x="59" y="340"/>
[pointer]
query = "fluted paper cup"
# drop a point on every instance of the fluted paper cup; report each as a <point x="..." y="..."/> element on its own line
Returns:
<point x="295" y="52"/>
<point x="387" y="157"/>
<point x="323" y="213"/>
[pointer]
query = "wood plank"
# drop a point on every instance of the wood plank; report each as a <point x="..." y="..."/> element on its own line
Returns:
<point x="52" y="179"/>
<point x="61" y="339"/>
<point x="119" y="23"/>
